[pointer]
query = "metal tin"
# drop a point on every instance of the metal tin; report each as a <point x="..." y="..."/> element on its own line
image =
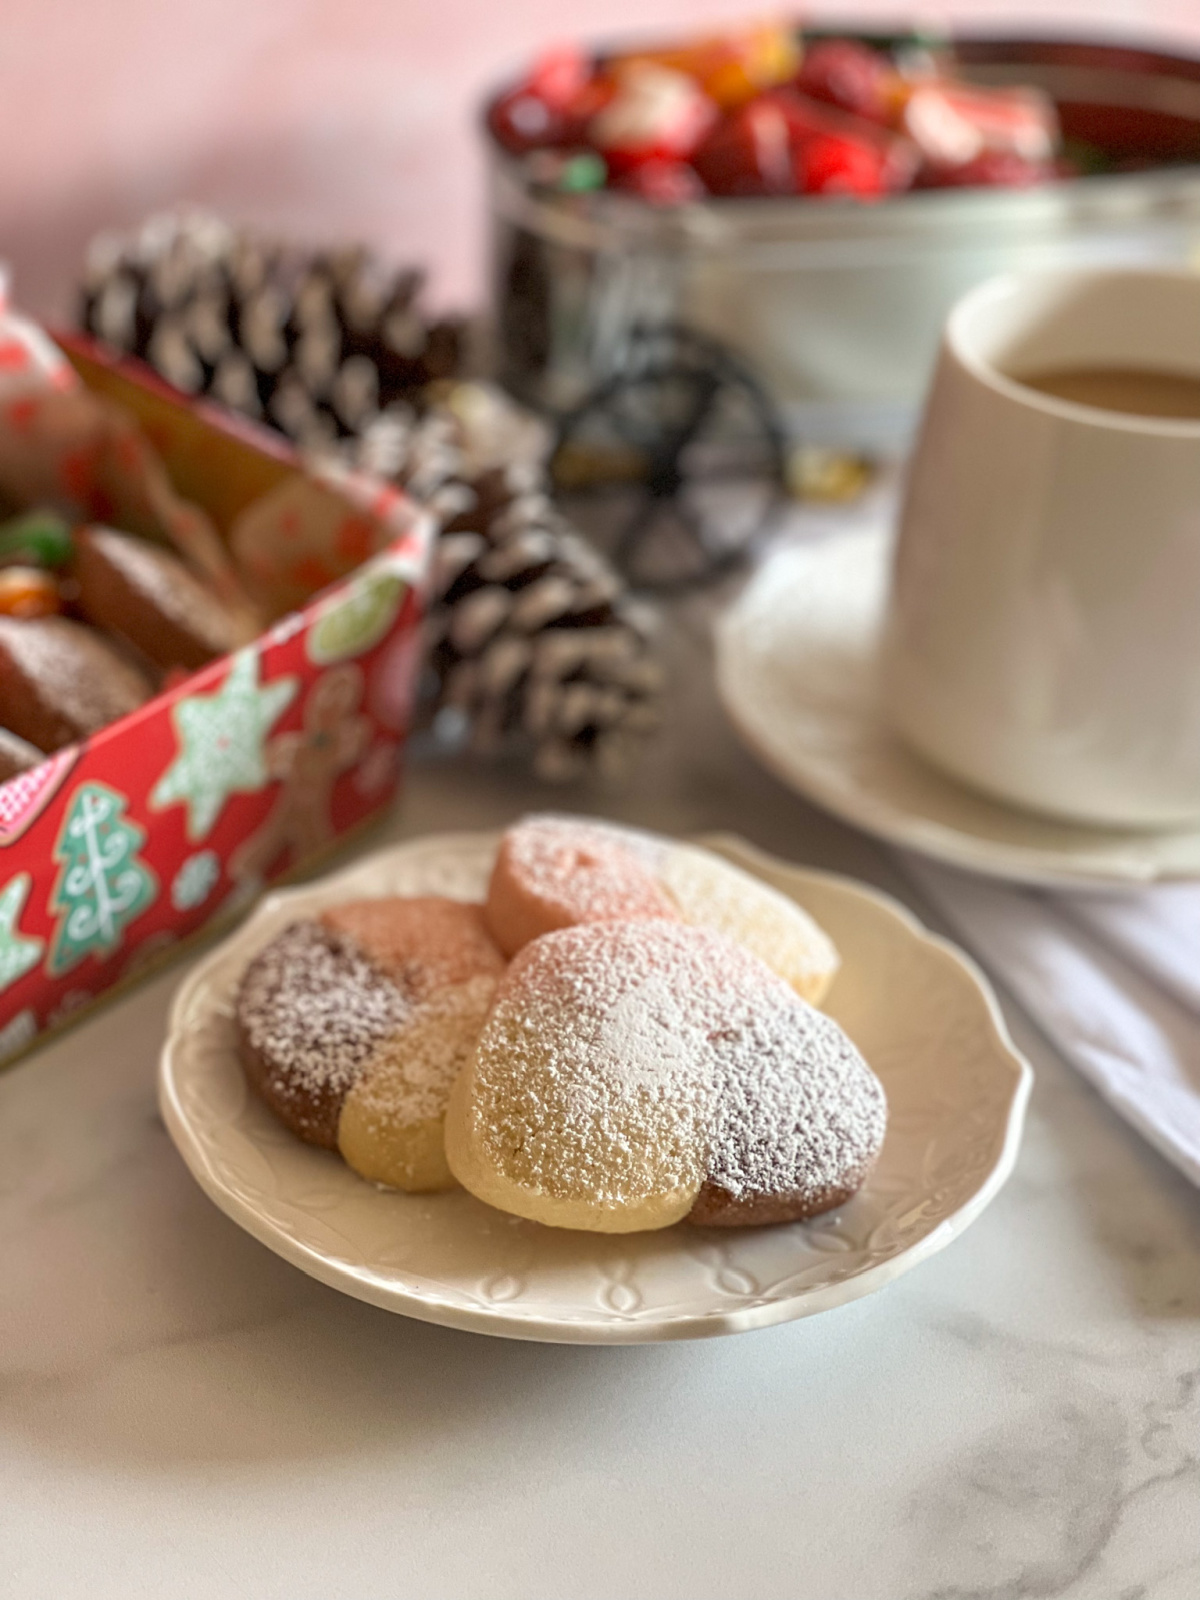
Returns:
<point x="836" y="305"/>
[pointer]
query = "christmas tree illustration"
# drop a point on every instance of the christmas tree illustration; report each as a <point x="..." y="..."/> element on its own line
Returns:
<point x="102" y="885"/>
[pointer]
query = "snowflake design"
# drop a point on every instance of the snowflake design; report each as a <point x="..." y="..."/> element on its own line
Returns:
<point x="195" y="880"/>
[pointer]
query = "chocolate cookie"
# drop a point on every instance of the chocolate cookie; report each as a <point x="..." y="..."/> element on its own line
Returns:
<point x="146" y="595"/>
<point x="60" y="681"/>
<point x="353" y="1028"/>
<point x="311" y="1010"/>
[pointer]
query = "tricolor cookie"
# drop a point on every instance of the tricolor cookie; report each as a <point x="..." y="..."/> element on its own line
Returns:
<point x="556" y="872"/>
<point x="353" y="1027"/>
<point x="713" y="893"/>
<point x="633" y="1074"/>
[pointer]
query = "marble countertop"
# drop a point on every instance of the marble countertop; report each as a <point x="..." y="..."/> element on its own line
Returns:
<point x="182" y="1414"/>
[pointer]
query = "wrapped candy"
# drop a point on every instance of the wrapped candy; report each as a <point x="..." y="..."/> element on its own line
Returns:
<point x="748" y="113"/>
<point x="36" y="539"/>
<point x="956" y="125"/>
<point x="567" y="171"/>
<point x="751" y="152"/>
<point x="731" y="68"/>
<point x="655" y="114"/>
<point x="832" y="163"/>
<point x="848" y="74"/>
<point x="785" y="143"/>
<point x="538" y="112"/>
<point x="28" y="592"/>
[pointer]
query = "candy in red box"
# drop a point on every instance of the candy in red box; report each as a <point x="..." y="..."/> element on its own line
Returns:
<point x="114" y="849"/>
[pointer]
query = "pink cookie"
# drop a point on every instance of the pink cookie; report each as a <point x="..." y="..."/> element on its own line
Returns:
<point x="553" y="873"/>
<point x="423" y="943"/>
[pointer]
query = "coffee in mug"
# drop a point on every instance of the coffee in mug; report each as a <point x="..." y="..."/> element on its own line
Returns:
<point x="1133" y="391"/>
<point x="1043" y="634"/>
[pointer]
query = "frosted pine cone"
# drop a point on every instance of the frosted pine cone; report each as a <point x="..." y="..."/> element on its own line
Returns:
<point x="318" y="343"/>
<point x="533" y="637"/>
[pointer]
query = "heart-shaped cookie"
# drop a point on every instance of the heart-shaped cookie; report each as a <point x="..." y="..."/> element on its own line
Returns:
<point x="557" y="872"/>
<point x="632" y="1074"/>
<point x="353" y="1027"/>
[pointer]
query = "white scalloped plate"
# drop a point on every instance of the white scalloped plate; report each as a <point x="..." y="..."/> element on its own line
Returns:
<point x="920" y="1011"/>
<point x="796" y="672"/>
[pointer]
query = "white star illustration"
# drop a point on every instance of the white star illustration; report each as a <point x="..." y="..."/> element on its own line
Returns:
<point x="221" y="743"/>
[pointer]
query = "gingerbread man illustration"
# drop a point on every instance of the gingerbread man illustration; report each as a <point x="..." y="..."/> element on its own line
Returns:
<point x="308" y="763"/>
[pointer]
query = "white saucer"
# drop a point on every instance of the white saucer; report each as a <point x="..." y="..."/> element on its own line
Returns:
<point x="921" y="1012"/>
<point x="796" y="673"/>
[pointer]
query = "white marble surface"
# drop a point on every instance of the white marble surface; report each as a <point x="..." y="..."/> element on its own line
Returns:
<point x="183" y="1415"/>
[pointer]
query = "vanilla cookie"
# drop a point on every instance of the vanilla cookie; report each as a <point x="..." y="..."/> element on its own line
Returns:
<point x="391" y="1127"/>
<point x="553" y="872"/>
<point x="715" y="894"/>
<point x="632" y="1074"/>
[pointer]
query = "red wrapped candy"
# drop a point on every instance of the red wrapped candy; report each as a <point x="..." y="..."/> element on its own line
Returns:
<point x="731" y="67"/>
<point x="541" y="110"/>
<point x="785" y="143"/>
<point x="831" y="163"/>
<point x="740" y="114"/>
<point x="559" y="75"/>
<point x="845" y="73"/>
<point x="954" y="125"/>
<point x="751" y="152"/>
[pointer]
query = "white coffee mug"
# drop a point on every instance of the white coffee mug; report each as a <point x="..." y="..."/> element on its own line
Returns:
<point x="1043" y="634"/>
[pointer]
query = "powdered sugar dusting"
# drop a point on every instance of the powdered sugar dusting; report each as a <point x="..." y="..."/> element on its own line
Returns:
<point x="799" y="1111"/>
<point x="553" y="873"/>
<point x="623" y="1060"/>
<point x="585" y="1078"/>
<point x="313" y="1009"/>
<point x="423" y="942"/>
<point x="717" y="894"/>
<point x="409" y="1077"/>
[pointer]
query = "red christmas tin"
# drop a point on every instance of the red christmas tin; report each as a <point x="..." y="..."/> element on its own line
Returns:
<point x="115" y="849"/>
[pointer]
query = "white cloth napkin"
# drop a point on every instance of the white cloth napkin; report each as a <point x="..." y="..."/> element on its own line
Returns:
<point x="1112" y="980"/>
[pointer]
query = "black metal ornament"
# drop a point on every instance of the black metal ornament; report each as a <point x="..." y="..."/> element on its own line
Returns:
<point x="675" y="464"/>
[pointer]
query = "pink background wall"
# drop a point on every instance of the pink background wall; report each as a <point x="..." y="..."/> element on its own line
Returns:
<point x="328" y="118"/>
